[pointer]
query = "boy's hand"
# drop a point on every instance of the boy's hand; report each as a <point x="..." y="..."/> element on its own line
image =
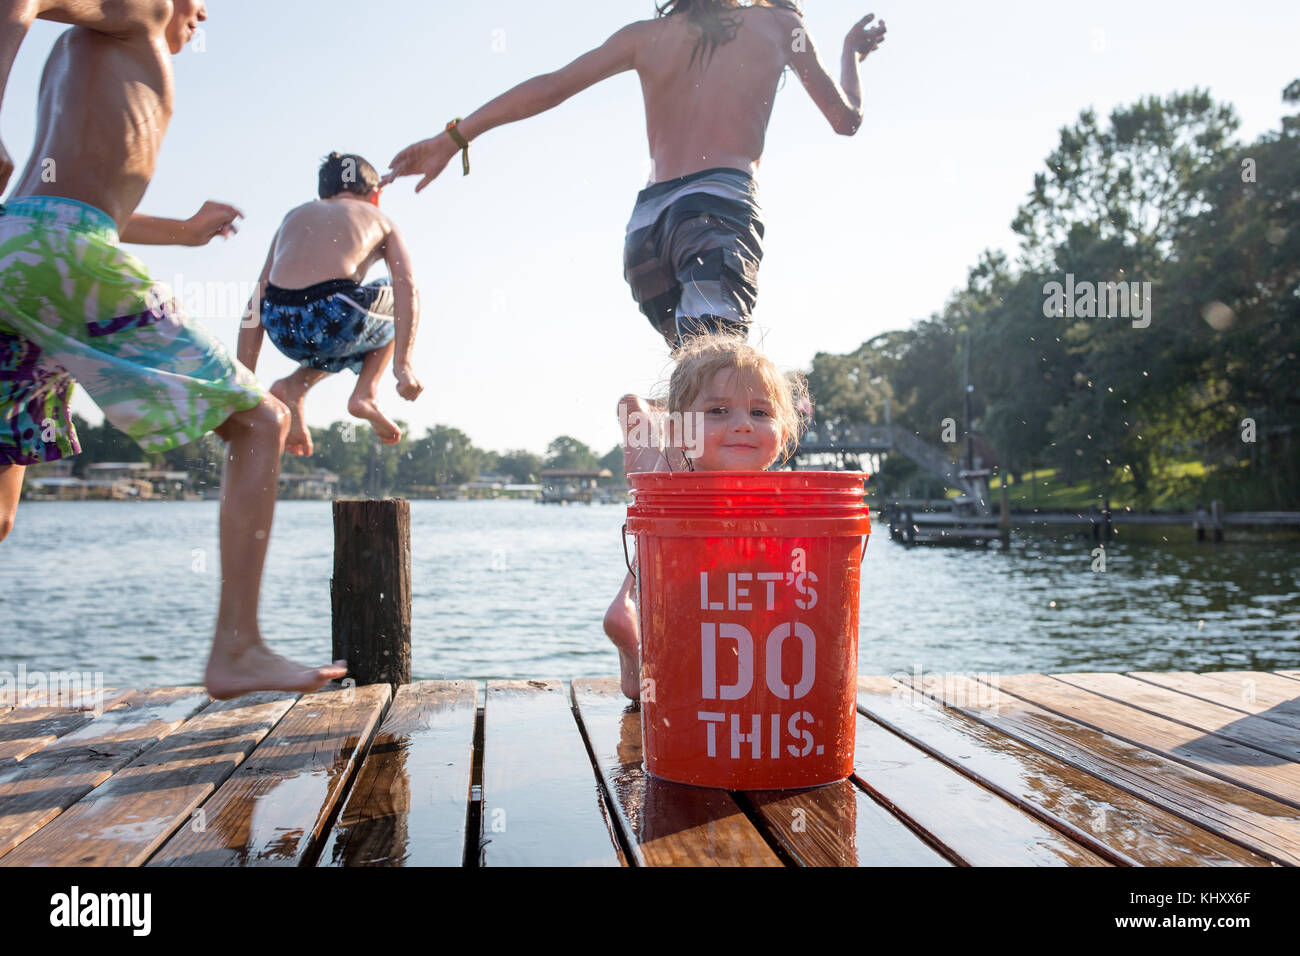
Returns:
<point x="863" y="41"/>
<point x="408" y="386"/>
<point x="427" y="158"/>
<point x="214" y="219"/>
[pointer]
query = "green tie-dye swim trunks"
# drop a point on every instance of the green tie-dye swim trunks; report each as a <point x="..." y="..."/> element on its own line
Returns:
<point x="75" y="307"/>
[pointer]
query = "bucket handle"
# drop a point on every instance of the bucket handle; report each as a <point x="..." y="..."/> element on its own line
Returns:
<point x="626" y="559"/>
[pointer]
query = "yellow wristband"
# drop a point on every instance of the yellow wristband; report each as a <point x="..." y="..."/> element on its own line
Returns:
<point x="456" y="137"/>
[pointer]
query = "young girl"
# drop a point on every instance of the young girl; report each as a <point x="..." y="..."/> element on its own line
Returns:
<point x="732" y="410"/>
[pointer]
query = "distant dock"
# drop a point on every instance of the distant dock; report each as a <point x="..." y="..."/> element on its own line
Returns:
<point x="1146" y="769"/>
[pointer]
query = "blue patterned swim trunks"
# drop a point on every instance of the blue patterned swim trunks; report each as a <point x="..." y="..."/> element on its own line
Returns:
<point x="330" y="326"/>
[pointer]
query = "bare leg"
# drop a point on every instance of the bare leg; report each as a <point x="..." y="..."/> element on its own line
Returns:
<point x="240" y="661"/>
<point x="292" y="390"/>
<point x="363" y="402"/>
<point x="622" y="628"/>
<point x="11" y="487"/>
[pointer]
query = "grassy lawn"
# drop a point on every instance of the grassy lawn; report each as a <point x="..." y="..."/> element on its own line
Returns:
<point x="1173" y="488"/>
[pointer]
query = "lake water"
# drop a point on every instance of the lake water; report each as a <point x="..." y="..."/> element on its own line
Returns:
<point x="505" y="589"/>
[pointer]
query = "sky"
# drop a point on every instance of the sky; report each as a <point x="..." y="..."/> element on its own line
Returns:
<point x="528" y="329"/>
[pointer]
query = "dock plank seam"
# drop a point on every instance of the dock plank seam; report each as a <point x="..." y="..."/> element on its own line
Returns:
<point x="612" y="816"/>
<point x="1168" y="753"/>
<point x="1066" y="829"/>
<point x="1141" y="785"/>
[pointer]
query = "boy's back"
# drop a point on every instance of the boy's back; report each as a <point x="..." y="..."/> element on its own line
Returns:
<point x="702" y="118"/>
<point x="325" y="239"/>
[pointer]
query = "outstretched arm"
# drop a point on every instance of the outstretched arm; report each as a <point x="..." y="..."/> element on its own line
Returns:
<point x="429" y="157"/>
<point x="212" y="220"/>
<point x="840" y="103"/>
<point x="407" y="317"/>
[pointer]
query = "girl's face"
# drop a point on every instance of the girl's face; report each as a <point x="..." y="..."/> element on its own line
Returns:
<point x="737" y="430"/>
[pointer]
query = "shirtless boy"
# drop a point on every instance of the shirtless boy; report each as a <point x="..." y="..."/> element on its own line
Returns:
<point x="709" y="71"/>
<point x="316" y="310"/>
<point x="75" y="306"/>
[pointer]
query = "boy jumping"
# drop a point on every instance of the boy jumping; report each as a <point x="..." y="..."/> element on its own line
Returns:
<point x="316" y="310"/>
<point x="75" y="306"/>
<point x="709" y="71"/>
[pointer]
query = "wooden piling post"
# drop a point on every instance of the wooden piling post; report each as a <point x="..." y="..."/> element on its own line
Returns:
<point x="370" y="593"/>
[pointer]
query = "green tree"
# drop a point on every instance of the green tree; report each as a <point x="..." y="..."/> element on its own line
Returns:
<point x="444" y="456"/>
<point x="613" y="460"/>
<point x="522" y="466"/>
<point x="569" y="453"/>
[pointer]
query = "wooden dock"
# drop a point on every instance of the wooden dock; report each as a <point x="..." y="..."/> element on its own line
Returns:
<point x="1143" y="769"/>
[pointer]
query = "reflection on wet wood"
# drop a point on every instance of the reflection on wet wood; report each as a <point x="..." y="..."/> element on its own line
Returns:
<point x="976" y="826"/>
<point x="1214" y="718"/>
<point x="37" y="789"/>
<point x="127" y="817"/>
<point x="1242" y="695"/>
<point x="272" y="810"/>
<point x="542" y="804"/>
<point x="1116" y="824"/>
<point x="839" y="825"/>
<point x="1147" y="769"/>
<point x="25" y="730"/>
<point x="408" y="805"/>
<point x="1246" y="766"/>
<point x="1266" y="826"/>
<point x="664" y="823"/>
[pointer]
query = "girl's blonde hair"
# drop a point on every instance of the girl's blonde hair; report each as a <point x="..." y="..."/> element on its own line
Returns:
<point x="701" y="357"/>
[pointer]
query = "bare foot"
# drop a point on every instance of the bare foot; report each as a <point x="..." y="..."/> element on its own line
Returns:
<point x="621" y="626"/>
<point x="299" y="440"/>
<point x="384" y="426"/>
<point x="258" y="668"/>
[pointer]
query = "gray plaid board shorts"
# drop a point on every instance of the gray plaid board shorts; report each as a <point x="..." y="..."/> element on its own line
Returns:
<point x="693" y="249"/>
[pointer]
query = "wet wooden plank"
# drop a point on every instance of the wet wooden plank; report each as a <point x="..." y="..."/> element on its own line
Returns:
<point x="36" y="790"/>
<point x="127" y="817"/>
<point x="1266" y="826"/>
<point x="839" y="825"/>
<point x="25" y="730"/>
<point x="1248" y="693"/>
<point x="542" y="804"/>
<point x="1279" y="694"/>
<point x="409" y="804"/>
<point x="1248" y="729"/>
<point x="273" y="809"/>
<point x="664" y="823"/>
<point x="977" y="827"/>
<point x="1111" y="821"/>
<point x="1268" y="774"/>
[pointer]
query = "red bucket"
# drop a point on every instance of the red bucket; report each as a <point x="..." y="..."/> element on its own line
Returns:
<point x="747" y="588"/>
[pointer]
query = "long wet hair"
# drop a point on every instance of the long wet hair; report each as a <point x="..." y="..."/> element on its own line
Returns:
<point x="716" y="27"/>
